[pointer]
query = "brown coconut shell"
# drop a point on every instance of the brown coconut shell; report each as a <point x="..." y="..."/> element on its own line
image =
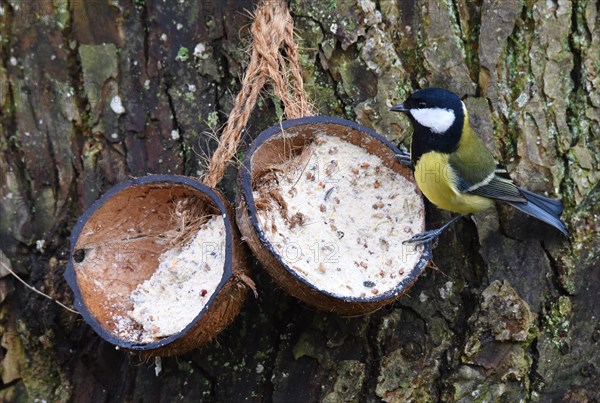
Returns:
<point x="269" y="150"/>
<point x="115" y="246"/>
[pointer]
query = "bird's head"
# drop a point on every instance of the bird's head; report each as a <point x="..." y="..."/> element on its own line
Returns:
<point x="434" y="110"/>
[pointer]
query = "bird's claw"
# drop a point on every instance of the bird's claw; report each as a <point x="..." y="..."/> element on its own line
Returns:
<point x="423" y="238"/>
<point x="404" y="159"/>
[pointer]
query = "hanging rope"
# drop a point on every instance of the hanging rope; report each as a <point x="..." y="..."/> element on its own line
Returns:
<point x="274" y="57"/>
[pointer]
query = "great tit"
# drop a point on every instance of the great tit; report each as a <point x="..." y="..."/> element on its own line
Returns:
<point x="453" y="167"/>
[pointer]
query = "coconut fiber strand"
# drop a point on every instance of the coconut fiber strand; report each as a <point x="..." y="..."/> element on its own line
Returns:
<point x="275" y="58"/>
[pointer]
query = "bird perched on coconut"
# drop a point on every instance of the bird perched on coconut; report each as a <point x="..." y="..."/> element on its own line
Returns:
<point x="455" y="170"/>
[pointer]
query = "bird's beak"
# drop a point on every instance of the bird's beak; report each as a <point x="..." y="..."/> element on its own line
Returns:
<point x="399" y="108"/>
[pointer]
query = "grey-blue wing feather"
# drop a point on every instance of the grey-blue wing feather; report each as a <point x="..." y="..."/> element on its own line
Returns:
<point x="552" y="206"/>
<point x="499" y="187"/>
<point x="542" y="208"/>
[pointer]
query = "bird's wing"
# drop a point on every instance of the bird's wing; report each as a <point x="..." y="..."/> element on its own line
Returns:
<point x="495" y="184"/>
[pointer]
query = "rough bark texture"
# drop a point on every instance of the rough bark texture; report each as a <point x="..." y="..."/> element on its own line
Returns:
<point x="510" y="313"/>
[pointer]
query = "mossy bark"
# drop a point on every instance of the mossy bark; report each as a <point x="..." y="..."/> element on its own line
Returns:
<point x="92" y="92"/>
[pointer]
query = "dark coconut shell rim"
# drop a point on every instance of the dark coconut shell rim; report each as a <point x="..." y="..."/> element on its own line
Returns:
<point x="246" y="188"/>
<point x="71" y="276"/>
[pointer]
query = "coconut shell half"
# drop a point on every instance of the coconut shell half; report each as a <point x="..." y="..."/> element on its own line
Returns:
<point x="116" y="245"/>
<point x="270" y="150"/>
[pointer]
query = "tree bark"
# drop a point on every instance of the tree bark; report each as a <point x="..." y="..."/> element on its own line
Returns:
<point x="509" y="309"/>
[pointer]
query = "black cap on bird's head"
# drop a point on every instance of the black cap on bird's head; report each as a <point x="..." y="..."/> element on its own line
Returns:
<point x="429" y="98"/>
<point x="437" y="116"/>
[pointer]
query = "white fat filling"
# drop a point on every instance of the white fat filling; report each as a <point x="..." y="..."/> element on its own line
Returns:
<point x="347" y="216"/>
<point x="186" y="278"/>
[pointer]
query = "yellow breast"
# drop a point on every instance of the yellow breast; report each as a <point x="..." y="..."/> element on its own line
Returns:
<point x="436" y="179"/>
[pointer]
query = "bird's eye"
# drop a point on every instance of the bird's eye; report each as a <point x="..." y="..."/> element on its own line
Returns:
<point x="422" y="105"/>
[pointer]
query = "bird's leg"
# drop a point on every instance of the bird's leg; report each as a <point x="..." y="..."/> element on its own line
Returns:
<point x="404" y="159"/>
<point x="431" y="235"/>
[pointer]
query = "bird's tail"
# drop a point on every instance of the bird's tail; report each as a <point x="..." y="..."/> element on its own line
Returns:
<point x="542" y="208"/>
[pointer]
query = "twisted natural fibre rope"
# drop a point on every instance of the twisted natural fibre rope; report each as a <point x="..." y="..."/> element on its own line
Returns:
<point x="273" y="37"/>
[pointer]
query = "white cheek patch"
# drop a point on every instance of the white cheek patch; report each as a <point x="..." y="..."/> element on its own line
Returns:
<point x="438" y="120"/>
